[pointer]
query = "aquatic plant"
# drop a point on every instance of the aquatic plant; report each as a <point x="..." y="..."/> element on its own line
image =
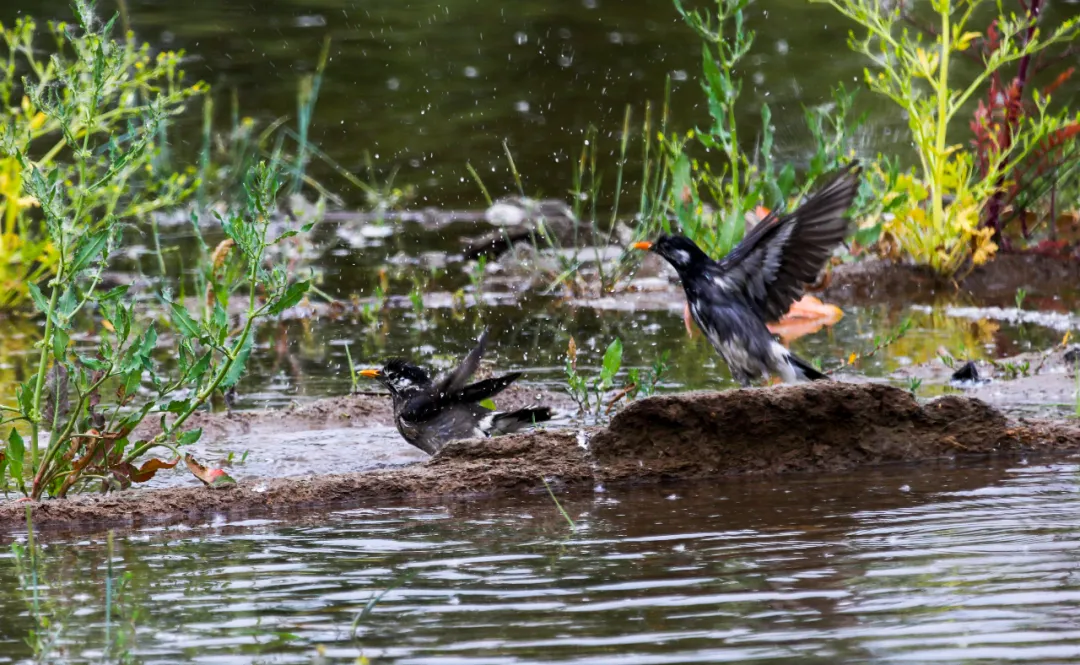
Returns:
<point x="93" y="110"/>
<point x="937" y="212"/>
<point x="597" y="396"/>
<point x="1001" y="117"/>
<point x="89" y="441"/>
<point x="744" y="180"/>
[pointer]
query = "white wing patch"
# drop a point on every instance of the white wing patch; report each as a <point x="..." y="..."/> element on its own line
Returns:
<point x="486" y="423"/>
<point x="783" y="365"/>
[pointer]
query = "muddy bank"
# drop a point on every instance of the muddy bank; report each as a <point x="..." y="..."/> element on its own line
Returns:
<point x="1041" y="383"/>
<point x="876" y="280"/>
<point x="346" y="434"/>
<point x="808" y="428"/>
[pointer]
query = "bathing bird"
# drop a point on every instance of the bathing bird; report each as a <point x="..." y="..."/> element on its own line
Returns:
<point x="732" y="299"/>
<point x="431" y="413"/>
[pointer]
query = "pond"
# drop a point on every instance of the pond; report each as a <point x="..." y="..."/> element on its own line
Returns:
<point x="944" y="562"/>
<point x="937" y="564"/>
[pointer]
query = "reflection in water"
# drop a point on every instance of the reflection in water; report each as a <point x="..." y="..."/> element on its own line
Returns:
<point x="949" y="564"/>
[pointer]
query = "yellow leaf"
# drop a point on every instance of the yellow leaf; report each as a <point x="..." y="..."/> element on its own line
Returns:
<point x="1065" y="339"/>
<point x="965" y="40"/>
<point x="852" y="358"/>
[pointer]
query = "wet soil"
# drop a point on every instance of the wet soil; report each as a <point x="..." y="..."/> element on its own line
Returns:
<point x="1041" y="383"/>
<point x="877" y="280"/>
<point x="824" y="427"/>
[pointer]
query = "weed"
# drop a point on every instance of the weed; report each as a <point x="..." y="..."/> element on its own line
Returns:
<point x="590" y="395"/>
<point x="566" y="516"/>
<point x="947" y="360"/>
<point x="93" y="112"/>
<point x="1013" y="370"/>
<point x="878" y="345"/>
<point x="1021" y="293"/>
<point x="231" y="459"/>
<point x="913" y="385"/>
<point x="476" y="276"/>
<point x="88" y="441"/>
<point x="352" y="369"/>
<point x="937" y="213"/>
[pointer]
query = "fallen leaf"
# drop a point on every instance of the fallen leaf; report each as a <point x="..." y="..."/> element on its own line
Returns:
<point x="149" y="468"/>
<point x="210" y="477"/>
<point x="806" y="316"/>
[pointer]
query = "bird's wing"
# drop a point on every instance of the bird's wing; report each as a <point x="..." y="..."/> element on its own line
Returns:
<point x="459" y="377"/>
<point x="482" y="390"/>
<point x="420" y="407"/>
<point x="782" y="253"/>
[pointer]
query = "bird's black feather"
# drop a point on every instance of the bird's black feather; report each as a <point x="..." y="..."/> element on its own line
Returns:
<point x="731" y="300"/>
<point x="430" y="414"/>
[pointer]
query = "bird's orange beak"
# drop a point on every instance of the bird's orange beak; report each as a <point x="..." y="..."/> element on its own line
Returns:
<point x="371" y="373"/>
<point x="644" y="245"/>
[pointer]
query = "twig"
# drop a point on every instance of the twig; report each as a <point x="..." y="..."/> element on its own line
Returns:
<point x="618" y="396"/>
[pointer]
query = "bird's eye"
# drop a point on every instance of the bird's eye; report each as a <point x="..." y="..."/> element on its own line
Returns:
<point x="681" y="256"/>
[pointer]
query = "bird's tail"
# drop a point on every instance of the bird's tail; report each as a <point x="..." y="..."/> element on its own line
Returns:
<point x="804" y="369"/>
<point x="512" y="421"/>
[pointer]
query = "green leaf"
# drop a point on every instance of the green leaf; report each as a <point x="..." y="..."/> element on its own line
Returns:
<point x="488" y="404"/>
<point x="60" y="343"/>
<point x="184" y="323"/>
<point x="199" y="368"/>
<point x="283" y="236"/>
<point x="237" y="368"/>
<point x="66" y="305"/>
<point x="16" y="452"/>
<point x="219" y="321"/>
<point x="178" y="406"/>
<point x="122" y="322"/>
<point x="189" y="437"/>
<point x="38" y="298"/>
<point x="89" y="250"/>
<point x="92" y="363"/>
<point x="114" y="294"/>
<point x="25" y="395"/>
<point x="292" y="295"/>
<point x="612" y="363"/>
<point x="149" y="342"/>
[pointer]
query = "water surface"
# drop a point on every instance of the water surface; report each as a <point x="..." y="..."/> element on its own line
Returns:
<point x="946" y="564"/>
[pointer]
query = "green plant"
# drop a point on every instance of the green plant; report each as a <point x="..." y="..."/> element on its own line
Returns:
<point x="879" y="343"/>
<point x="1013" y="370"/>
<point x="913" y="385"/>
<point x="937" y="217"/>
<point x="352" y="369"/>
<point x="94" y="111"/>
<point x="88" y="441"/>
<point x="1021" y="293"/>
<point x="562" y="511"/>
<point x="591" y="396"/>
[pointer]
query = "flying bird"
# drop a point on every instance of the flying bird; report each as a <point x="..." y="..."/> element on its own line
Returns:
<point x="431" y="413"/>
<point x="732" y="299"/>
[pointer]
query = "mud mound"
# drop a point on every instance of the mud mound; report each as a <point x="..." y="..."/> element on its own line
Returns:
<point x="834" y="427"/>
<point x="817" y="427"/>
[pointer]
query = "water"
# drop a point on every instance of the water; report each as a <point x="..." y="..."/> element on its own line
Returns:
<point x="425" y="86"/>
<point x="947" y="564"/>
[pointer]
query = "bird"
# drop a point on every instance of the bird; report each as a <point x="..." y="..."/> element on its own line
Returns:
<point x="431" y="413"/>
<point x="732" y="299"/>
